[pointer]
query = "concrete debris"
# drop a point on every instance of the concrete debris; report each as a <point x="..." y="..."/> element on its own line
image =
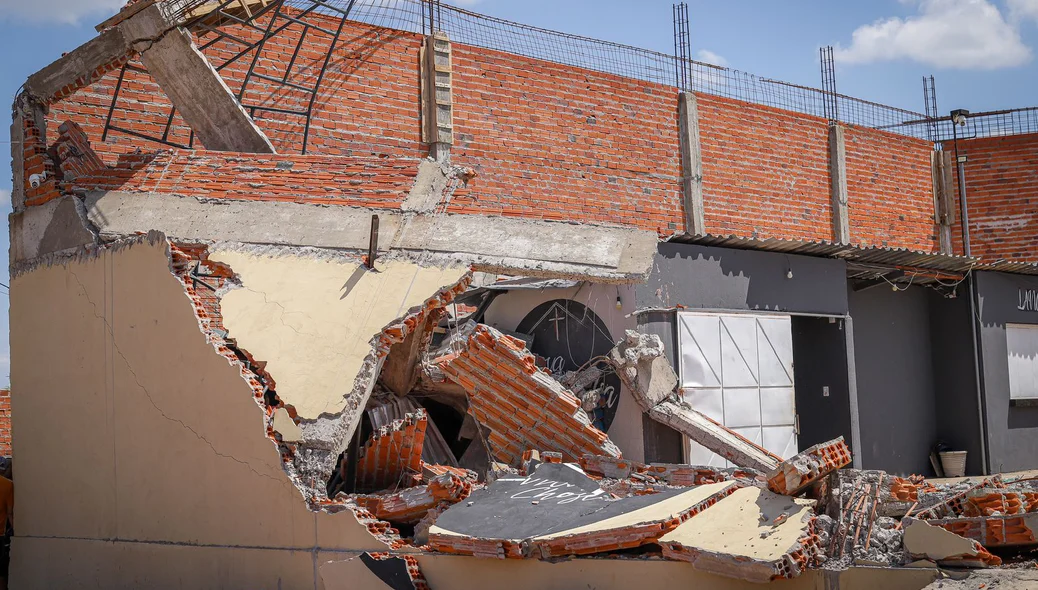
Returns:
<point x="522" y="405"/>
<point x="640" y="361"/>
<point x="660" y="473"/>
<point x="557" y="511"/>
<point x="795" y="475"/>
<point x="412" y="505"/>
<point x="924" y="540"/>
<point x="752" y="535"/>
<point x="1014" y="530"/>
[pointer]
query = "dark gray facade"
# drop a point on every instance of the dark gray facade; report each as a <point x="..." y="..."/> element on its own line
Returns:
<point x="701" y="277"/>
<point x="1012" y="430"/>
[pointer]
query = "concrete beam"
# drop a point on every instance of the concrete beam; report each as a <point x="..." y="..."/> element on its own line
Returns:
<point x="540" y="248"/>
<point x="838" y="177"/>
<point x="943" y="198"/>
<point x="196" y="89"/>
<point x="78" y="66"/>
<point x="437" y="96"/>
<point x="55" y="226"/>
<point x="691" y="164"/>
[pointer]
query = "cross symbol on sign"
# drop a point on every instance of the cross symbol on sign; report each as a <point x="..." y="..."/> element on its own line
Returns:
<point x="557" y="320"/>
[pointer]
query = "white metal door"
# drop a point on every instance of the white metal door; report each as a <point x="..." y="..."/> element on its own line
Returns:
<point x="738" y="370"/>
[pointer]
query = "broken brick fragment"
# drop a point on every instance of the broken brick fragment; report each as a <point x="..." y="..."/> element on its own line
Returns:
<point x="524" y="407"/>
<point x="409" y="506"/>
<point x="794" y="475"/>
<point x="391" y="453"/>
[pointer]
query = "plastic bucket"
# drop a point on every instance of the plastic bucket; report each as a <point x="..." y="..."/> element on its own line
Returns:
<point x="954" y="463"/>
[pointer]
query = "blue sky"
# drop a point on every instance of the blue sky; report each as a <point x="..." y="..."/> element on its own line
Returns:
<point x="982" y="52"/>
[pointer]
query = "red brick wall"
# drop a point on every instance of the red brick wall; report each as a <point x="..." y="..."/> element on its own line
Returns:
<point x="1002" y="192"/>
<point x="551" y="142"/>
<point x="555" y="142"/>
<point x="765" y="171"/>
<point x="890" y="190"/>
<point x="5" y="422"/>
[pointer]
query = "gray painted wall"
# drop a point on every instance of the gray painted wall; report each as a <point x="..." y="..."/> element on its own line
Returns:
<point x="955" y="380"/>
<point x="820" y="354"/>
<point x="701" y="277"/>
<point x="895" y="385"/>
<point x="662" y="443"/>
<point x="1012" y="431"/>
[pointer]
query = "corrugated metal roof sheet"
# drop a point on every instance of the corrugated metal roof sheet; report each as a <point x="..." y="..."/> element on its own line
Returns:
<point x="895" y="257"/>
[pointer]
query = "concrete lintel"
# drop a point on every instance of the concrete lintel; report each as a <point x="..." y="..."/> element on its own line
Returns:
<point x="110" y="46"/>
<point x="532" y="247"/>
<point x="197" y="90"/>
<point x="691" y="164"/>
<point x="55" y="226"/>
<point x="838" y="177"/>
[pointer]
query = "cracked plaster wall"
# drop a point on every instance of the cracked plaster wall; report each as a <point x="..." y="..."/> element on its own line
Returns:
<point x="312" y="320"/>
<point x="157" y="438"/>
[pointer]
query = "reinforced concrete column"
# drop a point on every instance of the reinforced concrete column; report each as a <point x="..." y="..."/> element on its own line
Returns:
<point x="943" y="199"/>
<point x="691" y="164"/>
<point x="838" y="186"/>
<point x="437" y="96"/>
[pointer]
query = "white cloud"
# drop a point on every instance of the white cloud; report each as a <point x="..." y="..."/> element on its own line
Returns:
<point x="69" y="12"/>
<point x="1020" y="9"/>
<point x="957" y="34"/>
<point x="707" y="56"/>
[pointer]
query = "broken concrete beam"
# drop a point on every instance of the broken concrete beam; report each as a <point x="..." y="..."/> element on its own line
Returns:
<point x="640" y="362"/>
<point x="196" y="89"/>
<point x="752" y="535"/>
<point x="392" y="453"/>
<point x="928" y="541"/>
<point x="794" y="475"/>
<point x="723" y="441"/>
<point x="80" y="67"/>
<point x="523" y="406"/>
<point x="559" y="511"/>
<point x="673" y="475"/>
<point x="1015" y="530"/>
<point x="409" y="506"/>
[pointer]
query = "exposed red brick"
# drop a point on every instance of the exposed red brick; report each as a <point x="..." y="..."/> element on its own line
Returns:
<point x="522" y="405"/>
<point x="393" y="453"/>
<point x="410" y="505"/>
<point x="5" y="422"/>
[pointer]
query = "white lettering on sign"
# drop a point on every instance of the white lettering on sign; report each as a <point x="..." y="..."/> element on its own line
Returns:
<point x="1028" y="300"/>
<point x="541" y="490"/>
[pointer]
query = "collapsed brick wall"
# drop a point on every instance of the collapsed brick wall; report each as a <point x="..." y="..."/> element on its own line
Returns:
<point x="5" y="422"/>
<point x="890" y="189"/>
<point x="1002" y="192"/>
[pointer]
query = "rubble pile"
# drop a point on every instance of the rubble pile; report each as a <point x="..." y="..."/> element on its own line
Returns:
<point x="491" y="455"/>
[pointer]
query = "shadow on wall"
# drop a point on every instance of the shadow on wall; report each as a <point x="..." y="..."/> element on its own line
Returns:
<point x="704" y="277"/>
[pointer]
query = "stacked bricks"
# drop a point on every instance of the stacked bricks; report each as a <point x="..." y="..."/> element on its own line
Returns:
<point x="379" y="183"/>
<point x="1002" y="185"/>
<point x="392" y="456"/>
<point x="5" y="422"/>
<point x="523" y="406"/>
<point x="796" y="474"/>
<point x="36" y="161"/>
<point x="411" y="505"/>
<point x="994" y="531"/>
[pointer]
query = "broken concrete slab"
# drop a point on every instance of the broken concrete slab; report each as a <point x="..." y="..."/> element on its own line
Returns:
<point x="927" y="541"/>
<point x="753" y="535"/>
<point x="640" y="362"/>
<point x="522" y="406"/>
<point x="558" y="511"/>
<point x="796" y="474"/>
<point x="529" y="247"/>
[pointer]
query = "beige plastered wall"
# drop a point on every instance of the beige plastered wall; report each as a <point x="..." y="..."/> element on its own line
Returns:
<point x="510" y="309"/>
<point x="142" y="455"/>
<point x="469" y="573"/>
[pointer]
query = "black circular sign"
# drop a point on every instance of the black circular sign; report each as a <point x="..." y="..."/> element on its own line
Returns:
<point x="568" y="335"/>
